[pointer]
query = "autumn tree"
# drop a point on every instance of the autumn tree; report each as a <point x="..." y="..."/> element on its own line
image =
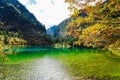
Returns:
<point x="99" y="35"/>
<point x="100" y="25"/>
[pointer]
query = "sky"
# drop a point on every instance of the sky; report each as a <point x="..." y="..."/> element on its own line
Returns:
<point x="48" y="12"/>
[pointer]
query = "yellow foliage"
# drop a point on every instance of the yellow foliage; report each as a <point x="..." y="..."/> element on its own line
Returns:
<point x="2" y="38"/>
<point x="77" y="43"/>
<point x="2" y="54"/>
<point x="99" y="27"/>
<point x="75" y="12"/>
<point x="16" y="41"/>
<point x="115" y="45"/>
<point x="115" y="52"/>
<point x="99" y="35"/>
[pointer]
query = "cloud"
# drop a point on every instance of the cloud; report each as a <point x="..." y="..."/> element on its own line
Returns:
<point x="32" y="2"/>
<point x="52" y="2"/>
<point x="41" y="11"/>
<point x="49" y="12"/>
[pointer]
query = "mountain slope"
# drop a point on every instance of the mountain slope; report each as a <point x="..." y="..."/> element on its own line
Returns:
<point x="58" y="31"/>
<point x="51" y="31"/>
<point x="16" y="18"/>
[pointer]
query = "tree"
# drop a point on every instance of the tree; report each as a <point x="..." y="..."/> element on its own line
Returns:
<point x="100" y="25"/>
<point x="99" y="35"/>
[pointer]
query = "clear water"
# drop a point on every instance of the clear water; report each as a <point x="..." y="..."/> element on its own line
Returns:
<point x="36" y="63"/>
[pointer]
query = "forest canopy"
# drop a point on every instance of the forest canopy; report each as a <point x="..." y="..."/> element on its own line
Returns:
<point x="95" y="25"/>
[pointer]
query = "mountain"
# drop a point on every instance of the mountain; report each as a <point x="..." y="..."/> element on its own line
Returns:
<point x="58" y="30"/>
<point x="14" y="17"/>
<point x="51" y="31"/>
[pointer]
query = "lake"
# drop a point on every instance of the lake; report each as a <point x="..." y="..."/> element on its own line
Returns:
<point x="36" y="63"/>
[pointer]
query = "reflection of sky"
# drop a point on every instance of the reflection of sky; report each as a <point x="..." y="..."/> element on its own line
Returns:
<point x="49" y="12"/>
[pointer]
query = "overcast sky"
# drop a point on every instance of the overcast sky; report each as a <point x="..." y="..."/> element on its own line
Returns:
<point x="48" y="12"/>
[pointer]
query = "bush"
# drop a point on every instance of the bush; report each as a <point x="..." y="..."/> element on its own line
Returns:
<point x="16" y="41"/>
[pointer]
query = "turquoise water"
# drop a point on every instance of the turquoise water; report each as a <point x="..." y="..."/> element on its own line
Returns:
<point x="56" y="64"/>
